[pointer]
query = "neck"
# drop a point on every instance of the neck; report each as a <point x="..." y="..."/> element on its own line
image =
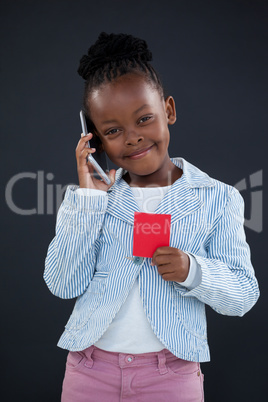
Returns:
<point x="157" y="179"/>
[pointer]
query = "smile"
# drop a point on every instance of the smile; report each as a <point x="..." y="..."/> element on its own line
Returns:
<point x="140" y="153"/>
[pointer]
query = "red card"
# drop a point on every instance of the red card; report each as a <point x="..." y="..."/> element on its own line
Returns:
<point x="150" y="232"/>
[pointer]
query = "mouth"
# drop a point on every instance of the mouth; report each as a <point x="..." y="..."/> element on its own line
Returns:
<point x="140" y="153"/>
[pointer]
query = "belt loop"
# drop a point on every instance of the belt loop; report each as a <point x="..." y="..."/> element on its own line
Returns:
<point x="162" y="362"/>
<point x="88" y="352"/>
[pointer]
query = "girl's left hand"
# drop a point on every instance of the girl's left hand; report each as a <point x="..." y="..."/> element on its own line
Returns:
<point x="172" y="263"/>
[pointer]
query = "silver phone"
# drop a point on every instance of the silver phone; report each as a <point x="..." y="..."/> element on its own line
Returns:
<point x="92" y="157"/>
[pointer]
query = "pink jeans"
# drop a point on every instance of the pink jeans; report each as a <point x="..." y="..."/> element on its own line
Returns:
<point x="99" y="376"/>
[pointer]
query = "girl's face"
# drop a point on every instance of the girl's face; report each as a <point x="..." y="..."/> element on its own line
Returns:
<point x="132" y="120"/>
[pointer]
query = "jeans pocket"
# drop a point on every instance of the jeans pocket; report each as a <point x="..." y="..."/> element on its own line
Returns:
<point x="181" y="367"/>
<point x="188" y="377"/>
<point x="74" y="359"/>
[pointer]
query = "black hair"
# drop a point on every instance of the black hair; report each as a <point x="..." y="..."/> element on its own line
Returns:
<point x="112" y="56"/>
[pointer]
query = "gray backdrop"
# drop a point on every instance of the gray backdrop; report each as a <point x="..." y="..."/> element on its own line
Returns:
<point x="212" y="56"/>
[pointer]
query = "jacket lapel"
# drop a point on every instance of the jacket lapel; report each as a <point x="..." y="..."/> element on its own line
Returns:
<point x="179" y="201"/>
<point x="122" y="203"/>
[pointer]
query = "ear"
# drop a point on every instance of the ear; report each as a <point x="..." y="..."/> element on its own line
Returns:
<point x="170" y="110"/>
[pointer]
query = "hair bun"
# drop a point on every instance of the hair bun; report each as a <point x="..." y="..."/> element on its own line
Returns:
<point x="111" y="48"/>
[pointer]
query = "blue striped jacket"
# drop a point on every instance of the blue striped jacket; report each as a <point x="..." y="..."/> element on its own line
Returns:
<point x="86" y="259"/>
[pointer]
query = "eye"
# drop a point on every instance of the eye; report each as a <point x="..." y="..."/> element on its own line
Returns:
<point x="145" y="119"/>
<point x="112" y="131"/>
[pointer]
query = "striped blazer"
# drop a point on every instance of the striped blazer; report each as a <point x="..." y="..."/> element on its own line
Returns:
<point x="94" y="235"/>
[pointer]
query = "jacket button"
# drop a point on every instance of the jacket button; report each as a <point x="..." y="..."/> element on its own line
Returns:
<point x="138" y="260"/>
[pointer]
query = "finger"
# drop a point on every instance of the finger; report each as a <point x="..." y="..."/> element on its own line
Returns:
<point x="84" y="154"/>
<point x="83" y="142"/>
<point x="162" y="260"/>
<point x="165" y="250"/>
<point x="112" y="176"/>
<point x="168" y="276"/>
<point x="165" y="269"/>
<point x="87" y="136"/>
<point x="87" y="151"/>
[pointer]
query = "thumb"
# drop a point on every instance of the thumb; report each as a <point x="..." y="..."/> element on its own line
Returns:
<point x="112" y="176"/>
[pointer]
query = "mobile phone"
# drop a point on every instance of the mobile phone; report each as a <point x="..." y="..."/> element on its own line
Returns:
<point x="98" y="159"/>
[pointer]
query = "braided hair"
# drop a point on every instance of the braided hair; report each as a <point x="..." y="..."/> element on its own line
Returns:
<point x="112" y="56"/>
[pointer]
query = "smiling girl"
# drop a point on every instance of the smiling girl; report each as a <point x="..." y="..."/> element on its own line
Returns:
<point x="138" y="329"/>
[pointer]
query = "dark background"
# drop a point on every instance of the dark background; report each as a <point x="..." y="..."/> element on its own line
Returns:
<point x="212" y="56"/>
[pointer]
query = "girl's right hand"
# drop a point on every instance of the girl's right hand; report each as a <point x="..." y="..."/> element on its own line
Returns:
<point x="85" y="170"/>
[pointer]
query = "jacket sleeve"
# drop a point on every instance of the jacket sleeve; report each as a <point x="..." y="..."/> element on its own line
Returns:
<point x="71" y="256"/>
<point x="228" y="282"/>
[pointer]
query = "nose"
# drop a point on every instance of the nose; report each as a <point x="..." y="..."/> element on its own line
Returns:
<point x="133" y="138"/>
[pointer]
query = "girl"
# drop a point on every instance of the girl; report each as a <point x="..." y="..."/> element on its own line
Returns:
<point x="138" y="329"/>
